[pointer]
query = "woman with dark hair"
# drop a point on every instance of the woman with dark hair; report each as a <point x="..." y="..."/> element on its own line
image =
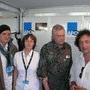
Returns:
<point x="26" y="63"/>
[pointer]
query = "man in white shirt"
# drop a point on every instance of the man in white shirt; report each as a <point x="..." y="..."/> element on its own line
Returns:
<point x="80" y="71"/>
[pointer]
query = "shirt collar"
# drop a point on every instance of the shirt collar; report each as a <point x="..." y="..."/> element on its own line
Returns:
<point x="28" y="54"/>
<point x="58" y="46"/>
<point x="82" y="58"/>
<point x="5" y="47"/>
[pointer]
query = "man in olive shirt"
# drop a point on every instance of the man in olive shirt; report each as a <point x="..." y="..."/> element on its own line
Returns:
<point x="55" y="61"/>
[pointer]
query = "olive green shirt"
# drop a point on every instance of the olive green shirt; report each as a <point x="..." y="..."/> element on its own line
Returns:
<point x="55" y="63"/>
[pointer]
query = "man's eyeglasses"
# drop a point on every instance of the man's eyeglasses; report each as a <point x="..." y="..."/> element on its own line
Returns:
<point x="80" y="75"/>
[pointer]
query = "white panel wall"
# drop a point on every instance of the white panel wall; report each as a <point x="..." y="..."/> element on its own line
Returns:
<point x="45" y="36"/>
<point x="61" y="18"/>
<point x="12" y="22"/>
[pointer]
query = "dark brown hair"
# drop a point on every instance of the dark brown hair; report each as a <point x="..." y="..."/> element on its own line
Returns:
<point x="26" y="37"/>
<point x="79" y="35"/>
<point x="4" y="27"/>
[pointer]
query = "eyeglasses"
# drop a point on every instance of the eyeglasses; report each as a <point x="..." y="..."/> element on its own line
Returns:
<point x="80" y="75"/>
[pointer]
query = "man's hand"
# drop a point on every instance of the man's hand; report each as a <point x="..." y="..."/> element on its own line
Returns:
<point x="74" y="87"/>
<point x="45" y="84"/>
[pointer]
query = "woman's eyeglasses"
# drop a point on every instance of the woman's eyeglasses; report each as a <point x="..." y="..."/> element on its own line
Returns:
<point x="80" y="75"/>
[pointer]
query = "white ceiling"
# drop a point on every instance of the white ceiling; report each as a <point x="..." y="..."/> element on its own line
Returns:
<point x="34" y="4"/>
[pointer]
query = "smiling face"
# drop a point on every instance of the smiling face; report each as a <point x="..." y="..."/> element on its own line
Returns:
<point x="5" y="37"/>
<point x="84" y="44"/>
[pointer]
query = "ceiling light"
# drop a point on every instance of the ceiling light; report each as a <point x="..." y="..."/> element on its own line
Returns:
<point x="45" y="14"/>
<point x="79" y="14"/>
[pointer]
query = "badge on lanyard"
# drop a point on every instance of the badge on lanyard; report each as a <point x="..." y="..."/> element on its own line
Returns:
<point x="26" y="82"/>
<point x="26" y="68"/>
<point x="9" y="69"/>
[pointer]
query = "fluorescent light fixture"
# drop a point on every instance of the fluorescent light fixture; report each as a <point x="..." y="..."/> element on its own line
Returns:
<point x="88" y="13"/>
<point x="45" y="14"/>
<point x="79" y="14"/>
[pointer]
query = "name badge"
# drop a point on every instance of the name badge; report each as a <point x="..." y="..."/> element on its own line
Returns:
<point x="9" y="69"/>
<point x="26" y="82"/>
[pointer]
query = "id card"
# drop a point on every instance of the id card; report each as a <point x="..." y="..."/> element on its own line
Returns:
<point x="9" y="69"/>
<point x="26" y="82"/>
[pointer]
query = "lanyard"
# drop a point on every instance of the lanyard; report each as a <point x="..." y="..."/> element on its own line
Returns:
<point x="26" y="67"/>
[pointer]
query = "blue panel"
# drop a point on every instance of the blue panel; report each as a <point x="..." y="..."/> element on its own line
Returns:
<point x="72" y="26"/>
<point x="27" y="26"/>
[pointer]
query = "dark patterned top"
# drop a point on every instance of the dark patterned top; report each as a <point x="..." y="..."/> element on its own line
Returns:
<point x="55" y="63"/>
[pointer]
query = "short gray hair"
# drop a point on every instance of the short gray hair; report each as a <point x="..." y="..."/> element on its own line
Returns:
<point x="57" y="27"/>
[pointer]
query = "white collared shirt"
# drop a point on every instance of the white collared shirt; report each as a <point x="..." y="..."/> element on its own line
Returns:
<point x="85" y="80"/>
<point x="27" y="58"/>
<point x="31" y="72"/>
<point x="78" y="63"/>
<point x="5" y="47"/>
